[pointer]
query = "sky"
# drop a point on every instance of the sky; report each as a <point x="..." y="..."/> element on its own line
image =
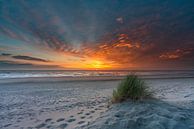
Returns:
<point x="96" y="34"/>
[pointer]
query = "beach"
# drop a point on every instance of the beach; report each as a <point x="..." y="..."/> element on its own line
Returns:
<point x="52" y="104"/>
<point x="84" y="103"/>
<point x="96" y="64"/>
<point x="172" y="108"/>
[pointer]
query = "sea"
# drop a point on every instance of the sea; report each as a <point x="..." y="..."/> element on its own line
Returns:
<point x="9" y="74"/>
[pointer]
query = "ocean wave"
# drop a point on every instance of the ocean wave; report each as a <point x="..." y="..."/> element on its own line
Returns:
<point x="144" y="74"/>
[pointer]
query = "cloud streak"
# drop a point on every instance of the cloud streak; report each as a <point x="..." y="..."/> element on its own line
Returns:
<point x="6" y="64"/>
<point x="29" y="58"/>
<point x="5" y="54"/>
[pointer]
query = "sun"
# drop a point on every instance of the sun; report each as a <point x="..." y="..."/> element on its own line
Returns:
<point x="88" y="64"/>
<point x="97" y="64"/>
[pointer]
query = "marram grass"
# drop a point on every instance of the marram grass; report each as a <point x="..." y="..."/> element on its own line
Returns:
<point x="132" y="88"/>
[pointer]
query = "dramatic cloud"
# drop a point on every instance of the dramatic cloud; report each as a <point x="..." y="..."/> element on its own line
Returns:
<point x="29" y="58"/>
<point x="117" y="34"/>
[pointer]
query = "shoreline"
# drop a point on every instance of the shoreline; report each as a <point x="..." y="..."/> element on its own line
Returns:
<point x="79" y="78"/>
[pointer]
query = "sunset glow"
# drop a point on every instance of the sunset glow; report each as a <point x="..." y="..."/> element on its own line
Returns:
<point x="103" y="35"/>
<point x="96" y="64"/>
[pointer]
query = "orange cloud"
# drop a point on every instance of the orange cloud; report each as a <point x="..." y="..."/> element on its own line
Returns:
<point x="116" y="53"/>
<point x="176" y="54"/>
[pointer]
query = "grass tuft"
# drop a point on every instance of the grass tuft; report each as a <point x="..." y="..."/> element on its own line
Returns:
<point x="132" y="88"/>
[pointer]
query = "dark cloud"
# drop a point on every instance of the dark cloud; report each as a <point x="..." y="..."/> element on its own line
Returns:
<point x="30" y="58"/>
<point x="6" y="54"/>
<point x="6" y="64"/>
<point x="63" y="23"/>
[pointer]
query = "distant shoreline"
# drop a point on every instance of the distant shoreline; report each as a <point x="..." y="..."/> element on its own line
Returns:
<point x="79" y="78"/>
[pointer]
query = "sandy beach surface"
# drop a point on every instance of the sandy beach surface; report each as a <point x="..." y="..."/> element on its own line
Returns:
<point x="50" y="104"/>
<point x="173" y="108"/>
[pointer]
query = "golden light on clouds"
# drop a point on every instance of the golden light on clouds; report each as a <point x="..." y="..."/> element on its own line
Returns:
<point x="97" y="64"/>
<point x="176" y="54"/>
<point x="116" y="55"/>
<point x="119" y="52"/>
<point x="88" y="64"/>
